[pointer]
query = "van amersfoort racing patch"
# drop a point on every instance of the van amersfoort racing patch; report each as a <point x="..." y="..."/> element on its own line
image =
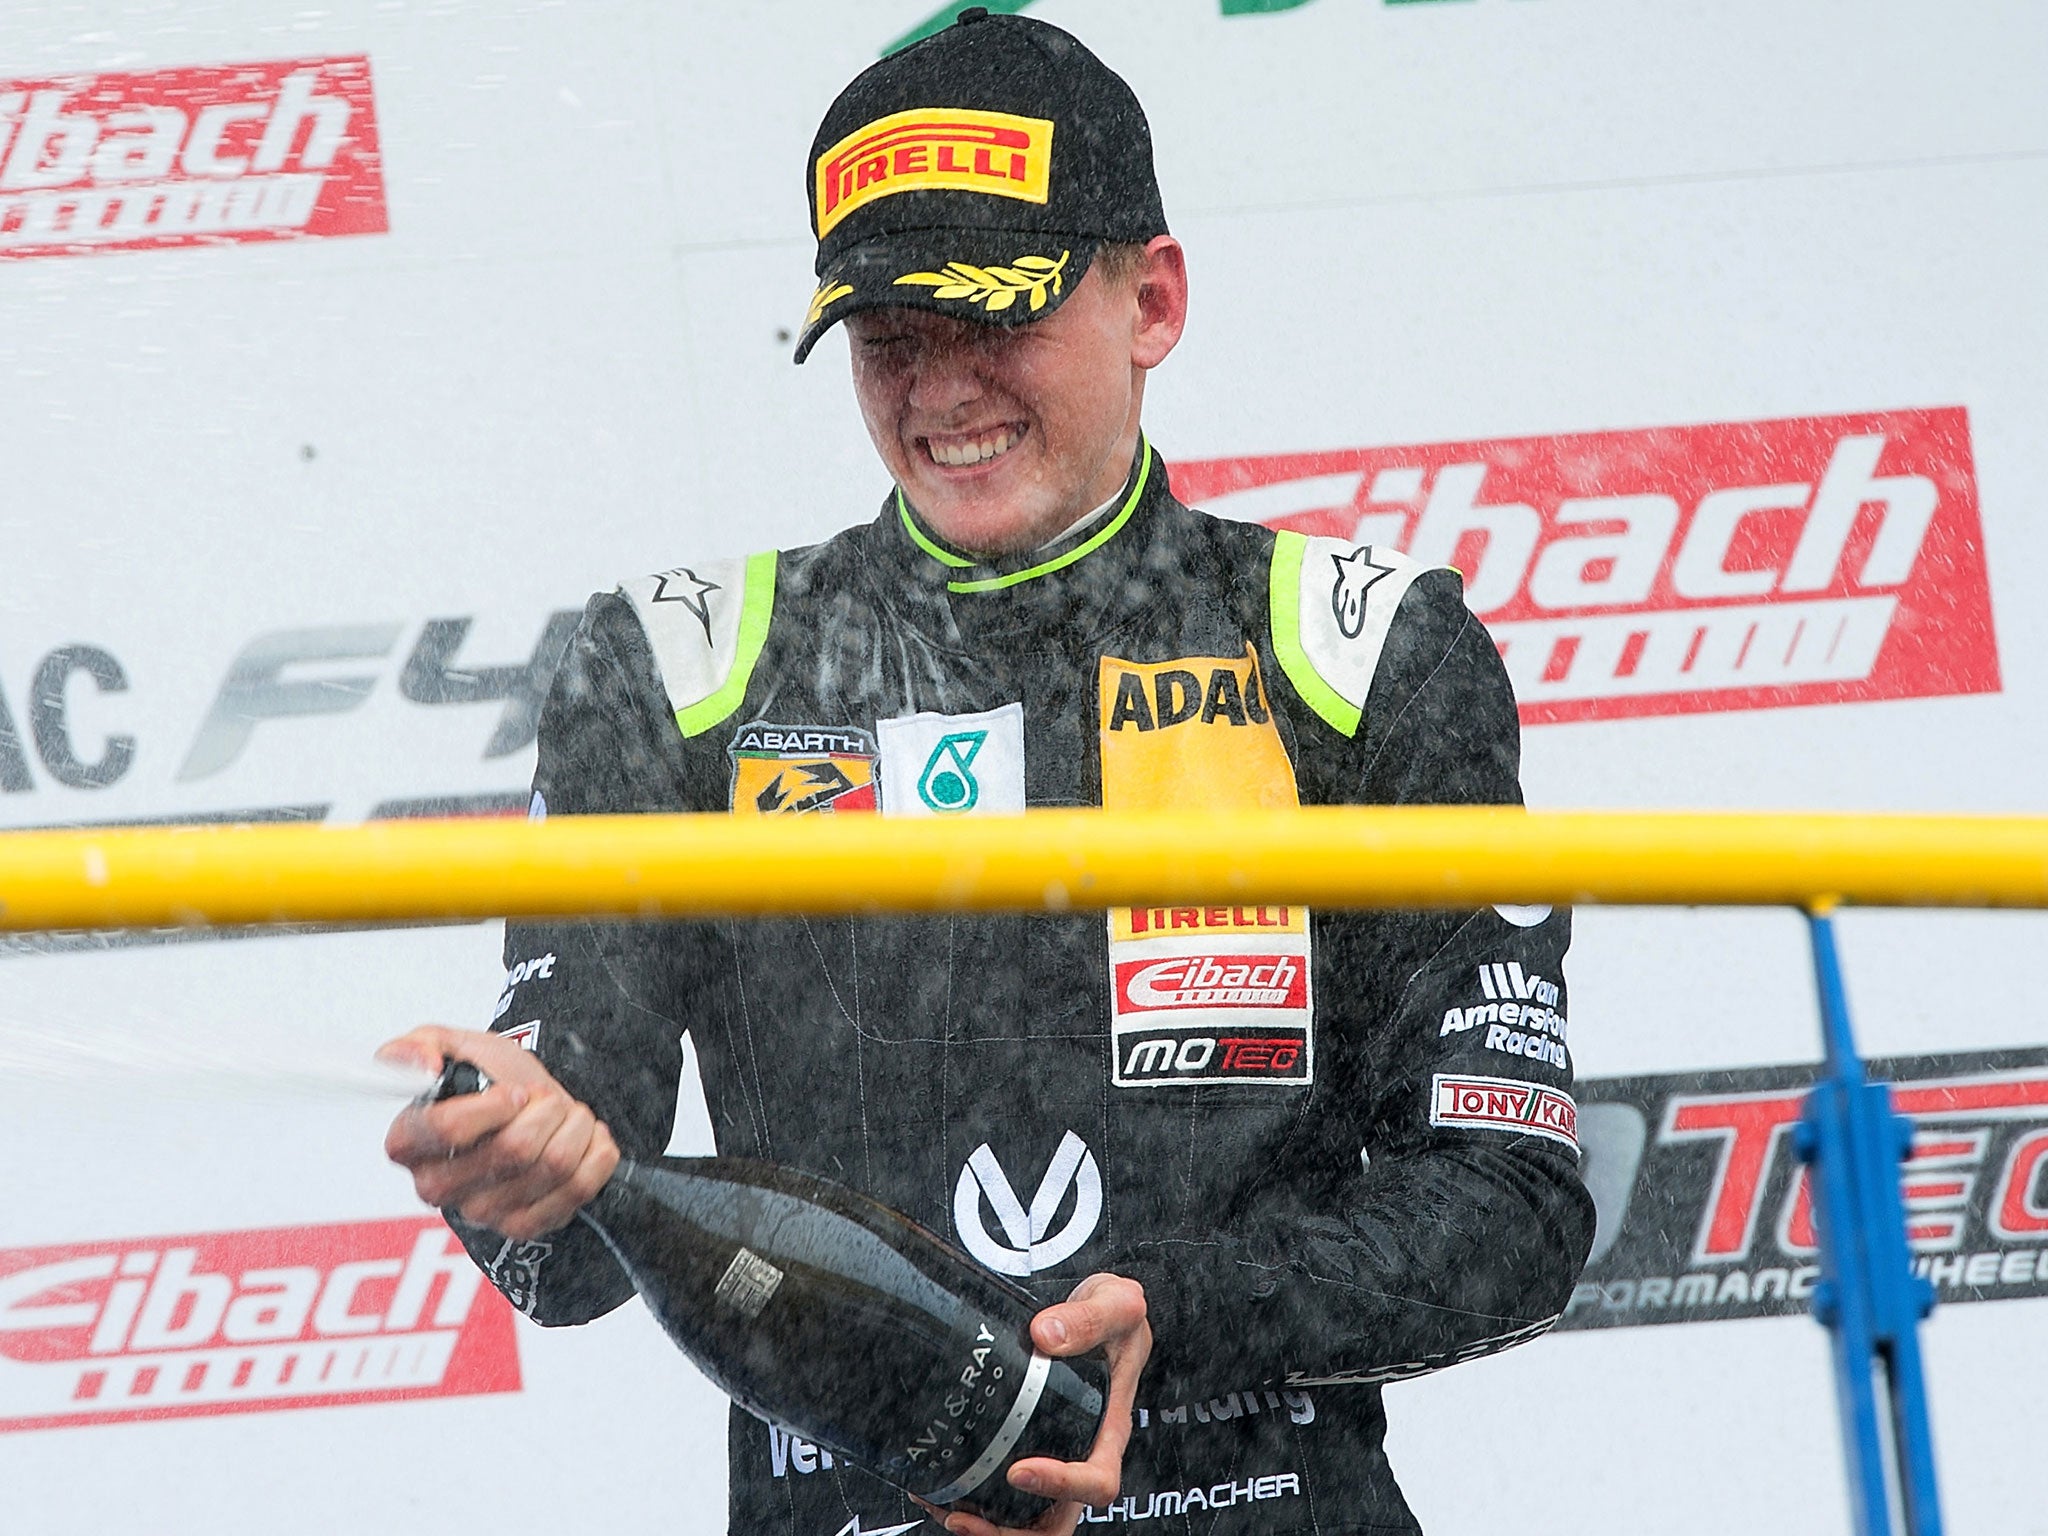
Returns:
<point x="787" y="770"/>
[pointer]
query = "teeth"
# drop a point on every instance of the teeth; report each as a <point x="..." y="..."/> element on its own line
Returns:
<point x="976" y="452"/>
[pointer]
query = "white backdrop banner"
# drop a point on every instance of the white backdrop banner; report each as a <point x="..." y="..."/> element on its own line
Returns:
<point x="346" y="350"/>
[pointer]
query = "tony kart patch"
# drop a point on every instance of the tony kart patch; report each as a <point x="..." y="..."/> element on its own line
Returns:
<point x="1502" y="1104"/>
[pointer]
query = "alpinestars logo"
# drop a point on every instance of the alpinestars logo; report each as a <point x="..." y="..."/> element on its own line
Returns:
<point x="1356" y="573"/>
<point x="120" y="161"/>
<point x="1032" y="1243"/>
<point x="685" y="586"/>
<point x="1809" y="561"/>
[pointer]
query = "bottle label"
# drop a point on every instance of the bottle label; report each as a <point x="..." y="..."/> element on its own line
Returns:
<point x="1006" y="1436"/>
<point x="749" y="1280"/>
<point x="943" y="1443"/>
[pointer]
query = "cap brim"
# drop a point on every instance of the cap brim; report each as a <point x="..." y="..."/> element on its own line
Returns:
<point x="998" y="277"/>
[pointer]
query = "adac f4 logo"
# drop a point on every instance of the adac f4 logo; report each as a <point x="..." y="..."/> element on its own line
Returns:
<point x="788" y="770"/>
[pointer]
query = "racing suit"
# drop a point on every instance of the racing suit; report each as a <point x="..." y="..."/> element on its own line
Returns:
<point x="1336" y="1148"/>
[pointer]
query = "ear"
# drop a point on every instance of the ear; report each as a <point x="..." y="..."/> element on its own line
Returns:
<point x="1161" y="286"/>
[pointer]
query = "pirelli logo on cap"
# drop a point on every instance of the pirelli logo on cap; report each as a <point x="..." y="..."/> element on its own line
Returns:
<point x="935" y="149"/>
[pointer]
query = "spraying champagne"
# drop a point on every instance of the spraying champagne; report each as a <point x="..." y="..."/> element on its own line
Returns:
<point x="823" y="1311"/>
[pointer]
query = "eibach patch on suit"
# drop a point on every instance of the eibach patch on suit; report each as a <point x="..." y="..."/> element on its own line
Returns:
<point x="1502" y="1104"/>
<point x="794" y="770"/>
<point x="1210" y="995"/>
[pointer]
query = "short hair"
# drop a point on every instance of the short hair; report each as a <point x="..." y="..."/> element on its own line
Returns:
<point x="1120" y="261"/>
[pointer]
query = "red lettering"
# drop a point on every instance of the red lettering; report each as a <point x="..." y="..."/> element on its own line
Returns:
<point x="984" y="165"/>
<point x="1799" y="1235"/>
<point x="1270" y="1054"/>
<point x="874" y="168"/>
<point x="947" y="162"/>
<point x="1016" y="167"/>
<point x="1186" y="917"/>
<point x="1748" y="1130"/>
<point x="911" y="159"/>
<point x="1965" y="1097"/>
<point x="1238" y="919"/>
<point x="1214" y="917"/>
<point x="2019" y="1214"/>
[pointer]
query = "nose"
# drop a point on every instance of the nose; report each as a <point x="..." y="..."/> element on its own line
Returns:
<point x="945" y="379"/>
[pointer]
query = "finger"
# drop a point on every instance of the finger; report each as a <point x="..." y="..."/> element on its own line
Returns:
<point x="1101" y="1308"/>
<point x="428" y="1132"/>
<point x="1060" y="1520"/>
<point x="507" y="1168"/>
<point x="575" y="1185"/>
<point x="432" y="1045"/>
<point x="1093" y="1482"/>
<point x="471" y="1119"/>
<point x="419" y="1047"/>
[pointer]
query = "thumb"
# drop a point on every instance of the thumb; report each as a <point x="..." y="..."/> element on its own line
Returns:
<point x="423" y="1047"/>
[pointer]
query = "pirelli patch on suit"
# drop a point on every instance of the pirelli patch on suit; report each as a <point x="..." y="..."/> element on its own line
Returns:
<point x="1217" y="994"/>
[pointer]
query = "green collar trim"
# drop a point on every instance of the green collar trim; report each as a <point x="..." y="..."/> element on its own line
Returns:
<point x="923" y="540"/>
<point x="1080" y="551"/>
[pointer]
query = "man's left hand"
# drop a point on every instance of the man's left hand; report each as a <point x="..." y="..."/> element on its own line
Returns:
<point x="1105" y="1312"/>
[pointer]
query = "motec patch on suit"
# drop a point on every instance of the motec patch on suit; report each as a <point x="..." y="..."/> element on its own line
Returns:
<point x="1202" y="994"/>
<point x="792" y="770"/>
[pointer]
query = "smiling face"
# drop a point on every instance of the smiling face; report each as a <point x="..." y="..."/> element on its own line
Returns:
<point x="1003" y="436"/>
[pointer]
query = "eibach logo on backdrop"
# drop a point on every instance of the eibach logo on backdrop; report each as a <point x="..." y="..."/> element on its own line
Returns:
<point x="172" y="157"/>
<point x="239" y="1322"/>
<point x="1706" y="1213"/>
<point x="1813" y="560"/>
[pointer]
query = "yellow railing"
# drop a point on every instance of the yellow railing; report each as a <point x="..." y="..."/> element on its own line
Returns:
<point x="650" y="866"/>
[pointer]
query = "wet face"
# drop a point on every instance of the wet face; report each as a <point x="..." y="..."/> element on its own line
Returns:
<point x="1003" y="436"/>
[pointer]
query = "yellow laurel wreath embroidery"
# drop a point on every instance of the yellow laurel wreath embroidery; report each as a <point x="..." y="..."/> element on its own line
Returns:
<point x="994" y="288"/>
<point x="826" y="296"/>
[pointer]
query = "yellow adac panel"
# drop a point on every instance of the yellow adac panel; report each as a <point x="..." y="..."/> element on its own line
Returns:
<point x="1194" y="731"/>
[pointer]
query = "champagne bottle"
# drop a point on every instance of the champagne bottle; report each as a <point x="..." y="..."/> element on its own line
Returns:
<point x="843" y="1321"/>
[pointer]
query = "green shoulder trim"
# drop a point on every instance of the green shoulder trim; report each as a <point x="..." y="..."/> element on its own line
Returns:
<point x="1284" y="608"/>
<point x="1101" y="536"/>
<point x="757" y="606"/>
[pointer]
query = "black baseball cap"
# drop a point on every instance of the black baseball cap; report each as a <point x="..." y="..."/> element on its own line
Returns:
<point x="976" y="173"/>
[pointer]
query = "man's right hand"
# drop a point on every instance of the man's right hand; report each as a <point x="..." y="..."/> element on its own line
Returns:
<point x="521" y="1158"/>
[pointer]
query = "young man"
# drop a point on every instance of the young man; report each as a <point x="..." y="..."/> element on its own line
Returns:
<point x="1271" y="1158"/>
